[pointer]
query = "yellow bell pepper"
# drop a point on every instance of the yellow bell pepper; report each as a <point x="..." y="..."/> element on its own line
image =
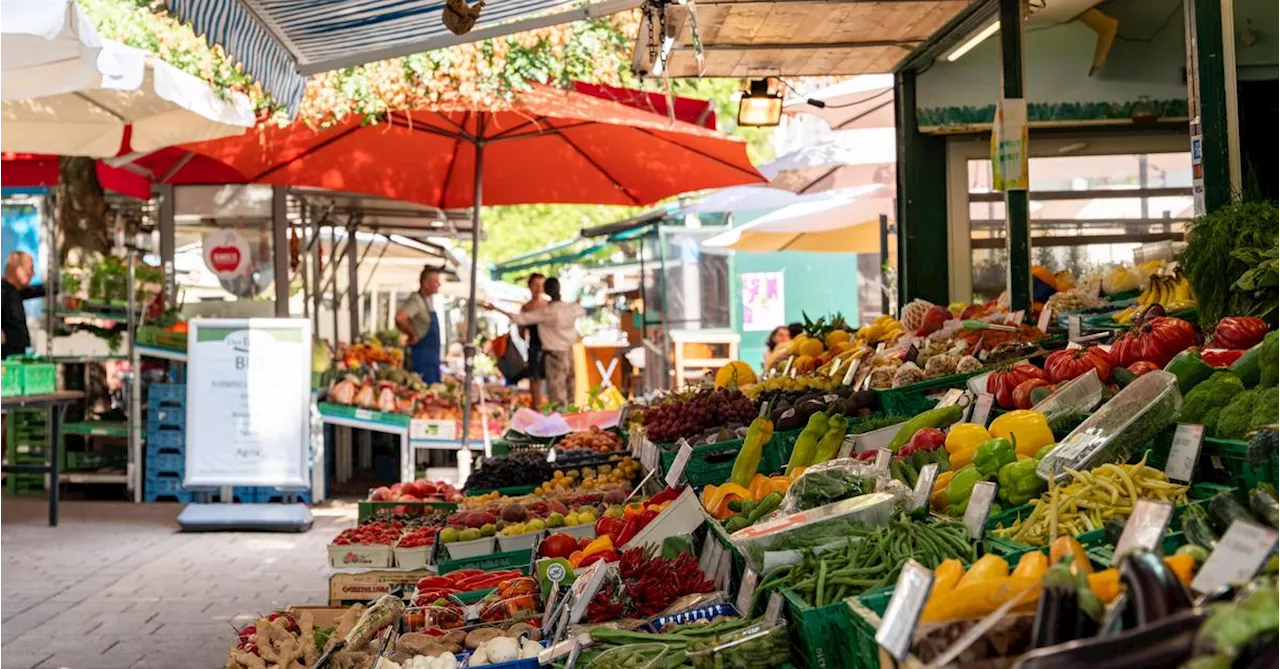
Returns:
<point x="1028" y="430"/>
<point x="945" y="577"/>
<point x="962" y="459"/>
<point x="717" y="503"/>
<point x="938" y="500"/>
<point x="965" y="437"/>
<point x="1032" y="564"/>
<point x="597" y="545"/>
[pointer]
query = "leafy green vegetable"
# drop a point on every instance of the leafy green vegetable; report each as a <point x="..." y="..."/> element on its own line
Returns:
<point x="1225" y="251"/>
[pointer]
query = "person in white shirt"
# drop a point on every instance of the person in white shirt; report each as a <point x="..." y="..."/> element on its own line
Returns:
<point x="556" y="329"/>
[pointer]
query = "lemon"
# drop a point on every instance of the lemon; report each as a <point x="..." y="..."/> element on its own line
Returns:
<point x="838" y="337"/>
<point x="811" y="348"/>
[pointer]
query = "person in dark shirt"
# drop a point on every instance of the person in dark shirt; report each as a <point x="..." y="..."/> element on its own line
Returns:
<point x="18" y="271"/>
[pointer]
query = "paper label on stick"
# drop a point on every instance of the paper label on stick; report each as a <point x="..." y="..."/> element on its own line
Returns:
<point x="774" y="609"/>
<point x="883" y="457"/>
<point x="982" y="409"/>
<point x="924" y="485"/>
<point x="909" y="596"/>
<point x="1046" y="314"/>
<point x="1073" y="328"/>
<point x="704" y="557"/>
<point x="747" y="591"/>
<point x="952" y="397"/>
<point x="678" y="465"/>
<point x="1144" y="529"/>
<point x="1241" y="552"/>
<point x="585" y="588"/>
<point x="846" y="447"/>
<point x="1184" y="453"/>
<point x="724" y="570"/>
<point x="980" y="500"/>
<point x="853" y="369"/>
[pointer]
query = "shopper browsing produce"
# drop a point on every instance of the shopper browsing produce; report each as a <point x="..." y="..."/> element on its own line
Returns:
<point x="556" y="328"/>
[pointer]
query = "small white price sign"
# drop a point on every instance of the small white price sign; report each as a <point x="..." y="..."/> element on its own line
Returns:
<point x="1016" y="317"/>
<point x="1046" y="315"/>
<point x="704" y="557"/>
<point x="585" y="584"/>
<point x="853" y="369"/>
<point x="953" y="396"/>
<point x="980" y="501"/>
<point x="724" y="570"/>
<point x="1073" y="328"/>
<point x="678" y="465"/>
<point x="1144" y="529"/>
<point x="747" y="591"/>
<point x="551" y="454"/>
<point x="883" y="456"/>
<point x="982" y="408"/>
<point x="774" y="609"/>
<point x="1184" y="453"/>
<point x="924" y="485"/>
<point x="846" y="447"/>
<point x="899" y="623"/>
<point x="1241" y="552"/>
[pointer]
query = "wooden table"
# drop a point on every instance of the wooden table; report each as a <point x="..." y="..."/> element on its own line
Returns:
<point x="57" y="404"/>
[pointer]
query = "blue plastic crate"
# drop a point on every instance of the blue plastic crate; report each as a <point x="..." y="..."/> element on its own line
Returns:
<point x="166" y="416"/>
<point x="163" y="483"/>
<point x="167" y="393"/>
<point x="151" y="497"/>
<point x="166" y="463"/>
<point x="166" y="440"/>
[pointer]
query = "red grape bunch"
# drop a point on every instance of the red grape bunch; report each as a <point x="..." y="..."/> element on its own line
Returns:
<point x="689" y="415"/>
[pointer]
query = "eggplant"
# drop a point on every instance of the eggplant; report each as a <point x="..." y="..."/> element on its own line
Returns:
<point x="1165" y="643"/>
<point x="1154" y="591"/>
<point x="1259" y="653"/>
<point x="1057" y="616"/>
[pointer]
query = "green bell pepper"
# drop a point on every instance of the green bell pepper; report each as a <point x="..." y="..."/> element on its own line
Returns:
<point x="1044" y="450"/>
<point x="994" y="454"/>
<point x="1019" y="483"/>
<point x="961" y="484"/>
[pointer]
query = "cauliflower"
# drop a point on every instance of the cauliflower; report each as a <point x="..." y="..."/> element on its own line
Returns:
<point x="1214" y="392"/>
<point x="1233" y="420"/>
<point x="968" y="364"/>
<point x="907" y="374"/>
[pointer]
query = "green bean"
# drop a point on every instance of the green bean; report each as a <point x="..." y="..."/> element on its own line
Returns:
<point x="822" y="577"/>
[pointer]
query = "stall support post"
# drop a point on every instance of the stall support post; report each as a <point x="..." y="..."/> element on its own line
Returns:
<point x="1211" y="102"/>
<point x="921" y="210"/>
<point x="333" y="280"/>
<point x="884" y="264"/>
<point x="1013" y="122"/>
<point x="280" y="247"/>
<point x="353" y="282"/>
<point x="468" y="346"/>
<point x="134" y="403"/>
<point x="317" y="256"/>
<point x="165" y="211"/>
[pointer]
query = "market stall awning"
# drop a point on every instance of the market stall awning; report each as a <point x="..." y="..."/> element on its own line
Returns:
<point x="864" y="101"/>
<point x="281" y="42"/>
<point x="845" y="221"/>
<point x="754" y="38"/>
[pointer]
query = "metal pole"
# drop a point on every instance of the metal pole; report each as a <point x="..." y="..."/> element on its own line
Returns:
<point x="135" y="385"/>
<point x="672" y="384"/>
<point x="165" y="210"/>
<point x="337" y="297"/>
<point x="305" y="264"/>
<point x="884" y="264"/>
<point x="353" y="280"/>
<point x="468" y="346"/>
<point x="280" y="247"/>
<point x="1017" y="213"/>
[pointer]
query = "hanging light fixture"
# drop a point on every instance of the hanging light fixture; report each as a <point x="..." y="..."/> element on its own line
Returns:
<point x="759" y="107"/>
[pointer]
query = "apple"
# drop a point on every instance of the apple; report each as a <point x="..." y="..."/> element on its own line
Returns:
<point x="381" y="494"/>
<point x="928" y="439"/>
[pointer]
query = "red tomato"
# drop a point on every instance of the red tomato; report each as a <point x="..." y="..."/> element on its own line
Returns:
<point x="1142" y="367"/>
<point x="1239" y="332"/>
<point x="1156" y="341"/>
<point x="558" y="545"/>
<point x="1003" y="381"/>
<point x="1022" y="394"/>
<point x="1068" y="363"/>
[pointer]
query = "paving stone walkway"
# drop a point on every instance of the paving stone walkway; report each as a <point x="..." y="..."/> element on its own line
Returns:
<point x="117" y="586"/>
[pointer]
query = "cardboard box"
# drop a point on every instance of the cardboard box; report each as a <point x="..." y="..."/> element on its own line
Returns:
<point x="366" y="586"/>
<point x="359" y="556"/>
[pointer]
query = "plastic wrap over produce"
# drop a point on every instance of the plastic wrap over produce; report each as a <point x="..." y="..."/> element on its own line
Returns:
<point x="837" y="480"/>
<point x="780" y="540"/>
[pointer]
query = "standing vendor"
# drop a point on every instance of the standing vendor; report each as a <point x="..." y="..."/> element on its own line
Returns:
<point x="18" y="271"/>
<point x="418" y="322"/>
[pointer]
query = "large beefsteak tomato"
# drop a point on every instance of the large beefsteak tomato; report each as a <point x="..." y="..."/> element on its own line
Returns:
<point x="1239" y="332"/>
<point x="1156" y="341"/>
<point x="1069" y="363"/>
<point x="1003" y="381"/>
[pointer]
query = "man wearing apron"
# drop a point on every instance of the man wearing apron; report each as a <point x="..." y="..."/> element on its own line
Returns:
<point x="419" y="324"/>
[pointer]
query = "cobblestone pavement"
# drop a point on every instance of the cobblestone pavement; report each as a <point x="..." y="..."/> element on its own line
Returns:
<point x="117" y="586"/>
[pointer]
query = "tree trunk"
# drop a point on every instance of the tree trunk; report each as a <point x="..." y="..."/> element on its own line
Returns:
<point x="82" y="208"/>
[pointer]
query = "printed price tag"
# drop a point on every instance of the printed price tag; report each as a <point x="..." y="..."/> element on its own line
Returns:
<point x="747" y="591"/>
<point x="678" y="465"/>
<point x="1016" y="317"/>
<point x="774" y="609"/>
<point x="1046" y="315"/>
<point x="1241" y="552"/>
<point x="900" y="618"/>
<point x="853" y="369"/>
<point x="1144" y="529"/>
<point x="846" y="447"/>
<point x="704" y="556"/>
<point x="635" y="441"/>
<point x="1184" y="453"/>
<point x="924" y="485"/>
<point x="1073" y="328"/>
<point x="585" y="586"/>
<point x="723" y="571"/>
<point x="551" y="454"/>
<point x="883" y="456"/>
<point x="980" y="501"/>
<point x="982" y="409"/>
<point x="364" y="414"/>
<point x="952" y="397"/>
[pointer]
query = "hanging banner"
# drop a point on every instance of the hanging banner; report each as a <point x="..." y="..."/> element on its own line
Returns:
<point x="1009" y="145"/>
<point x="227" y="254"/>
<point x="248" y="402"/>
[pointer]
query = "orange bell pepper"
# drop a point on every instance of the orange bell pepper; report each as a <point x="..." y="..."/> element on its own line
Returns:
<point x="718" y="503"/>
<point x="575" y="558"/>
<point x="634" y="509"/>
<point x="762" y="485"/>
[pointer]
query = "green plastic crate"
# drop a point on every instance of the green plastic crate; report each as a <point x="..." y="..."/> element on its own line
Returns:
<point x="830" y="637"/>
<point x="10" y="379"/>
<point x="911" y="400"/>
<point x="491" y="562"/>
<point x="874" y="603"/>
<point x="39" y="378"/>
<point x="710" y="464"/>
<point x="1223" y="461"/>
<point x="93" y="460"/>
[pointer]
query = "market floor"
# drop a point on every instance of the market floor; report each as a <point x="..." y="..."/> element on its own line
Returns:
<point x="116" y="586"/>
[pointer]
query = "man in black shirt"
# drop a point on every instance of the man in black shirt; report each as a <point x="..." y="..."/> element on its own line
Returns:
<point x="18" y="271"/>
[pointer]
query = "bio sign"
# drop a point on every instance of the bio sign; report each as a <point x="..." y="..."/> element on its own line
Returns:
<point x="248" y="409"/>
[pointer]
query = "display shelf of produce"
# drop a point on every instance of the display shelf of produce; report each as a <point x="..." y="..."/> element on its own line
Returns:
<point x="161" y="353"/>
<point x="1224" y="461"/>
<point x="367" y="509"/>
<point x="358" y="415"/>
<point x="490" y="562"/>
<point x="98" y="428"/>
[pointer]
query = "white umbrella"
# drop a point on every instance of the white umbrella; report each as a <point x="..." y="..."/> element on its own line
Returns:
<point x="843" y="159"/>
<point x="67" y="91"/>
<point x="738" y="198"/>
<point x="839" y="221"/>
<point x="865" y="101"/>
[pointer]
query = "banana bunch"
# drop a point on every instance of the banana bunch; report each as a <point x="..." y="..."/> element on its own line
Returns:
<point x="1120" y="280"/>
<point x="1173" y="292"/>
<point x="883" y="329"/>
<point x="839" y="365"/>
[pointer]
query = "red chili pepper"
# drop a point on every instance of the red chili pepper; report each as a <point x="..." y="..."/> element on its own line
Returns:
<point x="463" y="574"/>
<point x="629" y="530"/>
<point x="602" y="556"/>
<point x="431" y="582"/>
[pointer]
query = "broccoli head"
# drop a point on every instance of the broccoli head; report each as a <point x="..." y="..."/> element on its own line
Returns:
<point x="1215" y="391"/>
<point x="1234" y="419"/>
<point x="1266" y="410"/>
<point x="1269" y="360"/>
<point x="1262" y="447"/>
<point x="1210" y="421"/>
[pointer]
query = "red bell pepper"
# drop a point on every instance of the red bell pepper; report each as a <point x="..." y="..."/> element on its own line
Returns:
<point x="667" y="495"/>
<point x="1215" y="357"/>
<point x="463" y="574"/>
<point x="648" y="517"/>
<point x="629" y="530"/>
<point x="610" y="527"/>
<point x="602" y="556"/>
<point x="432" y="582"/>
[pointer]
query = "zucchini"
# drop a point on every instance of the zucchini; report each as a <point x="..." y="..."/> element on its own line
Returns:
<point x="1248" y="366"/>
<point x="1224" y="509"/>
<point x="1195" y="525"/>
<point x="1263" y="503"/>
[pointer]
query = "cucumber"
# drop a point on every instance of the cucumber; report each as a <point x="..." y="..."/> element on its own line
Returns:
<point x="1263" y="503"/>
<point x="1195" y="525"/>
<point x="1248" y="366"/>
<point x="1225" y="510"/>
